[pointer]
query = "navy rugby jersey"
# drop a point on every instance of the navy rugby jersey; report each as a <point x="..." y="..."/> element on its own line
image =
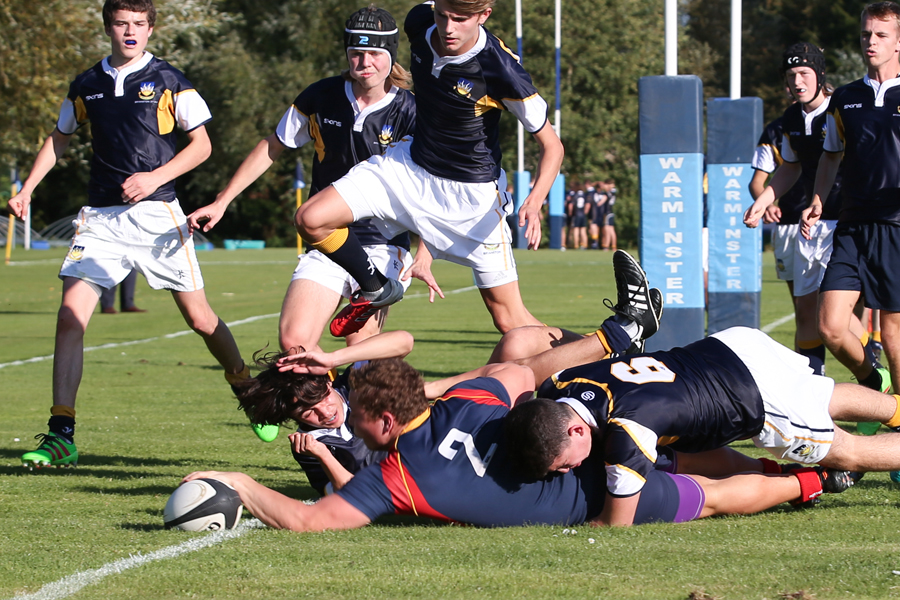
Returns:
<point x="451" y="464"/>
<point x="326" y="114"/>
<point x="348" y="449"/>
<point x="767" y="157"/>
<point x="692" y="399"/>
<point x="804" y="142"/>
<point x="866" y="126"/>
<point x="459" y="100"/>
<point x="133" y="114"/>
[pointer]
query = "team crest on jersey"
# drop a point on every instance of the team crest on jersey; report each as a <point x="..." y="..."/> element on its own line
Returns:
<point x="803" y="450"/>
<point x="386" y="136"/>
<point x="148" y="91"/>
<point x="825" y="128"/>
<point x="76" y="253"/>
<point x="464" y="88"/>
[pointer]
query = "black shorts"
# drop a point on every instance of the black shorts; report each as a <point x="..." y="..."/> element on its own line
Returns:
<point x="866" y="259"/>
<point x="579" y="221"/>
<point x="610" y="220"/>
<point x="667" y="498"/>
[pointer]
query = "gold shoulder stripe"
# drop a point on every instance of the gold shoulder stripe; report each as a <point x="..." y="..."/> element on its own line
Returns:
<point x="316" y="135"/>
<point x="508" y="51"/>
<point x="80" y="110"/>
<point x="417" y="421"/>
<point x="486" y="103"/>
<point x="165" y="113"/>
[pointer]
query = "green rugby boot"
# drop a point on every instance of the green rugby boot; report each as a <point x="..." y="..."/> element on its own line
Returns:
<point x="266" y="433"/>
<point x="53" y="451"/>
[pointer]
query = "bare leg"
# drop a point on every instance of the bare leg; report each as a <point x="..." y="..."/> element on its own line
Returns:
<point x="546" y="350"/>
<point x="863" y="453"/>
<point x="852" y="402"/>
<point x="321" y="215"/>
<point x="507" y="309"/>
<point x="717" y="463"/>
<point x="890" y="341"/>
<point x="835" y="312"/>
<point x="200" y="317"/>
<point x="78" y="302"/>
<point x="746" y="493"/>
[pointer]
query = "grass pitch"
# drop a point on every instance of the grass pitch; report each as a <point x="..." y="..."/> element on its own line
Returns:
<point x="150" y="412"/>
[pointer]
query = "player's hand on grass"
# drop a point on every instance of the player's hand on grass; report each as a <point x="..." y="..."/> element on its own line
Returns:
<point x="18" y="204"/>
<point x="304" y="443"/>
<point x="532" y="217"/>
<point x="211" y="214"/>
<point x="808" y="219"/>
<point x="139" y="186"/>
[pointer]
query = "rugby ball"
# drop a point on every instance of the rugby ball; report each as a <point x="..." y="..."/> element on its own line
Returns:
<point x="203" y="505"/>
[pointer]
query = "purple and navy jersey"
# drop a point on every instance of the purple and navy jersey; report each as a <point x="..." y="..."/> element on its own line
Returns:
<point x="865" y="126"/>
<point x="451" y="464"/>
<point x="767" y="157"/>
<point x="459" y="100"/>
<point x="326" y="114"/>
<point x="133" y="114"/>
<point x="804" y="142"/>
<point x="692" y="399"/>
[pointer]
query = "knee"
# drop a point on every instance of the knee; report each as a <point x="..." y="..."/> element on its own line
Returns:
<point x="68" y="321"/>
<point x="204" y="324"/>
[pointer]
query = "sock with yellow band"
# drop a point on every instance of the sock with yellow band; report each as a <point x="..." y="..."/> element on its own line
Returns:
<point x="814" y="350"/>
<point x="62" y="422"/>
<point x="343" y="247"/>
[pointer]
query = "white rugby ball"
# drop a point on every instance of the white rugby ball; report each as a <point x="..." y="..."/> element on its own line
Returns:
<point x="203" y="505"/>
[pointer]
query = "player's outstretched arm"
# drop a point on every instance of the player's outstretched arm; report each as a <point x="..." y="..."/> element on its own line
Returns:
<point x="278" y="511"/>
<point x="549" y="162"/>
<point x="518" y="380"/>
<point x="388" y="344"/>
<point x="141" y="185"/>
<point x="50" y="152"/>
<point x="257" y="162"/>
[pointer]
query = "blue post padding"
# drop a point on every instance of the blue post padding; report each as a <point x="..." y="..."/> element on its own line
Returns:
<point x="732" y="129"/>
<point x="735" y="251"/>
<point x="671" y="114"/>
<point x="671" y="177"/>
<point x="556" y="210"/>
<point x="521" y="188"/>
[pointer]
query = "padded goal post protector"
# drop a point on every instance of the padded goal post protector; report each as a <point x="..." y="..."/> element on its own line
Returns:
<point x="521" y="187"/>
<point x="556" y="205"/>
<point x="671" y="179"/>
<point x="735" y="251"/>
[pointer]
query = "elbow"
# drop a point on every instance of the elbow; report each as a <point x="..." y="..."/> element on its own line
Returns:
<point x="406" y="343"/>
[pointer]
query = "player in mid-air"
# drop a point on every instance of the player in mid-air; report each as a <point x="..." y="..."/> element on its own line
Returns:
<point x="132" y="219"/>
<point x="863" y="142"/>
<point x="348" y="118"/>
<point x="446" y="183"/>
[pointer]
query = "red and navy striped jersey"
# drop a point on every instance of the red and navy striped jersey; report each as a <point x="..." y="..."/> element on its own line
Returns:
<point x="804" y="142"/>
<point x="867" y="129"/>
<point x="695" y="398"/>
<point x="133" y="114"/>
<point x="451" y="464"/>
<point x="325" y="113"/>
<point x="459" y="100"/>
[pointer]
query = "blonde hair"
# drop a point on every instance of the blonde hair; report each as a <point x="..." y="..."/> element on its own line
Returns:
<point x="470" y="7"/>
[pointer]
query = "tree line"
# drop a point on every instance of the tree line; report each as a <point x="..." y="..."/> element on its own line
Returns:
<point x="250" y="58"/>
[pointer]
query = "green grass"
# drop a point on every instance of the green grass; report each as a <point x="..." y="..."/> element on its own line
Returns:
<point x="150" y="413"/>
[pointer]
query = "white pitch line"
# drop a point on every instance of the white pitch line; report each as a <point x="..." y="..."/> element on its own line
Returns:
<point x="72" y="584"/>
<point x="778" y="322"/>
<point x="37" y="359"/>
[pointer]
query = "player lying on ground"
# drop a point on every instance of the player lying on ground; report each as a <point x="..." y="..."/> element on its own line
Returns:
<point x="450" y="461"/>
<point x="736" y="384"/>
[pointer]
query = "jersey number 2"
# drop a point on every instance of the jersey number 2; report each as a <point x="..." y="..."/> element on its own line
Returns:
<point x="455" y="436"/>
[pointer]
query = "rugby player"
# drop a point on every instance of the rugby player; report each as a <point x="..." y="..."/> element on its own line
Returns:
<point x="446" y="183"/>
<point x="804" y="125"/>
<point x="348" y="118"/>
<point x="736" y="384"/>
<point x="863" y="142"/>
<point x="132" y="219"/>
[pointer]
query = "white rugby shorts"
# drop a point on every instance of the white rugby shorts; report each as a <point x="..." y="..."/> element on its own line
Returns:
<point x="151" y="237"/>
<point x="798" y="426"/>
<point x="393" y="261"/>
<point x="464" y="223"/>
<point x="812" y="256"/>
<point x="784" y="242"/>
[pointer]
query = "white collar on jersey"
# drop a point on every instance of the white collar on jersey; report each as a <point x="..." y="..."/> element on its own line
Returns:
<point x="119" y="76"/>
<point x="359" y="116"/>
<point x="880" y="88"/>
<point x="581" y="409"/>
<point x="809" y="116"/>
<point x="439" y="62"/>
